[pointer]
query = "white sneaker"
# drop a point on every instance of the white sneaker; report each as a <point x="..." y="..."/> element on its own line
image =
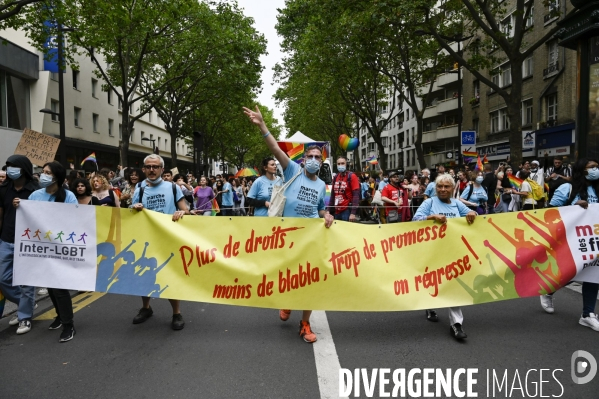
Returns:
<point x="590" y="321"/>
<point x="14" y="321"/>
<point x="42" y="291"/>
<point x="24" y="327"/>
<point x="547" y="303"/>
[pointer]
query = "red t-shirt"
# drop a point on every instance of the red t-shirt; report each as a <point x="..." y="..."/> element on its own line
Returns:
<point x="394" y="194"/>
<point x="341" y="195"/>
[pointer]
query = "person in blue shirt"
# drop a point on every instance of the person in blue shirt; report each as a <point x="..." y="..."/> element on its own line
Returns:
<point x="158" y="196"/>
<point x="51" y="181"/>
<point x="582" y="191"/>
<point x="475" y="195"/>
<point x="305" y="196"/>
<point x="261" y="190"/>
<point x="227" y="199"/>
<point x="439" y="209"/>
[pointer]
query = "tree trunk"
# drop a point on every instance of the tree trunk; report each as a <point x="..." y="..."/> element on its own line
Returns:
<point x="125" y="135"/>
<point x="514" y="109"/>
<point x="173" y="136"/>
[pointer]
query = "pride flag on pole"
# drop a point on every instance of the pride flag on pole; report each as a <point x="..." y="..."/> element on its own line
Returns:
<point x="468" y="156"/>
<point x="215" y="207"/>
<point x="295" y="154"/>
<point x="479" y="163"/>
<point x="91" y="157"/>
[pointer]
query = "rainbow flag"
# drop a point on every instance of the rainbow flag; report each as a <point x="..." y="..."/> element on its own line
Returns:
<point x="485" y="160"/>
<point x="215" y="207"/>
<point x="373" y="162"/>
<point x="468" y="156"/>
<point x="296" y="153"/>
<point x="327" y="196"/>
<point x="91" y="157"/>
<point x="479" y="164"/>
<point x="516" y="182"/>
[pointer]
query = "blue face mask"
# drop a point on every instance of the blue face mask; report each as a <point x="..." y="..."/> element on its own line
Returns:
<point x="385" y="180"/>
<point x="479" y="179"/>
<point x="155" y="181"/>
<point x="341" y="168"/>
<point x="13" y="173"/>
<point x="46" y="180"/>
<point x="593" y="174"/>
<point x="312" y="165"/>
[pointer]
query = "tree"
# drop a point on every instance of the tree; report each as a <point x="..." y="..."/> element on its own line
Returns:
<point x="10" y="10"/>
<point x="125" y="39"/>
<point x="327" y="49"/>
<point x="219" y="53"/>
<point x="495" y="38"/>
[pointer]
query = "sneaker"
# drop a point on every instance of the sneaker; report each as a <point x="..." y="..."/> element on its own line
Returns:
<point x="431" y="315"/>
<point x="590" y="321"/>
<point x="42" y="291"/>
<point x="24" y="327"/>
<point x="306" y="332"/>
<point x="547" y="303"/>
<point x="457" y="332"/>
<point x="143" y="315"/>
<point x="67" y="334"/>
<point x="14" y="321"/>
<point x="56" y="324"/>
<point x="178" y="323"/>
<point x="35" y="306"/>
<point x="284" y="314"/>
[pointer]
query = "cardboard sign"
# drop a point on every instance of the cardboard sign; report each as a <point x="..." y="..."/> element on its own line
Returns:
<point x="175" y="171"/>
<point x="38" y="147"/>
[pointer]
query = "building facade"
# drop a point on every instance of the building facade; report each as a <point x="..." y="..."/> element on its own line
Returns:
<point x="92" y="115"/>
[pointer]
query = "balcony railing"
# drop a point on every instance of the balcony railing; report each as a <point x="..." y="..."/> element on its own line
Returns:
<point x="552" y="69"/>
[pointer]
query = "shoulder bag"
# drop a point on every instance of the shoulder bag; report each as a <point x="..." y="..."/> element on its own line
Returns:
<point x="278" y="199"/>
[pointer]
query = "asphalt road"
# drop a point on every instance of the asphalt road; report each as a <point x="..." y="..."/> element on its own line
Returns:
<point x="227" y="351"/>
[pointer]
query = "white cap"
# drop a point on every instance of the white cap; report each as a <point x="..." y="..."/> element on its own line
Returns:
<point x="535" y="161"/>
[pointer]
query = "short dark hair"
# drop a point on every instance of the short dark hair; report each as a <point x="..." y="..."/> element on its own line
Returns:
<point x="85" y="182"/>
<point x="167" y="172"/>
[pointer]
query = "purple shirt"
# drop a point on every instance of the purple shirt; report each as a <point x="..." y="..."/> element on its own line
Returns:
<point x="204" y="198"/>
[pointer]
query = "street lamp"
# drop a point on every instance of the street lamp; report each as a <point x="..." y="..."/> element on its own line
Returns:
<point x="458" y="39"/>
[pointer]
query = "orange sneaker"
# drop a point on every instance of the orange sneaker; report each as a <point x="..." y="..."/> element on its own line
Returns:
<point x="284" y="314"/>
<point x="306" y="332"/>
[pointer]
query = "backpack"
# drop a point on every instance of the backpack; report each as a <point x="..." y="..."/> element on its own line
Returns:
<point x="537" y="191"/>
<point x="141" y="193"/>
<point x="349" y="176"/>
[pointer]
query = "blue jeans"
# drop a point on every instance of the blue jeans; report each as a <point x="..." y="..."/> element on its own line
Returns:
<point x="589" y="297"/>
<point x="24" y="296"/>
<point x="226" y="210"/>
<point x="343" y="215"/>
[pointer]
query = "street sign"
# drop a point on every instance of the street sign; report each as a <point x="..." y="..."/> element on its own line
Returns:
<point x="468" y="137"/>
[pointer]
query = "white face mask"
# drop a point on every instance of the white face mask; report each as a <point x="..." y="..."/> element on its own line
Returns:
<point x="479" y="179"/>
<point x="46" y="180"/>
<point x="312" y="165"/>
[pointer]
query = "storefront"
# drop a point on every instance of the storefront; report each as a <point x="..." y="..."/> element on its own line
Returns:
<point x="556" y="141"/>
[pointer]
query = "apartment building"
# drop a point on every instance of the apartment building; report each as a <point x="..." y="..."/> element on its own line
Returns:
<point x="548" y="108"/>
<point x="92" y="115"/>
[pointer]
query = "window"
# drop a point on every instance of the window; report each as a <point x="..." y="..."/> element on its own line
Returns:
<point x="75" y="79"/>
<point x="552" y="53"/>
<point x="527" y="112"/>
<point x="476" y="89"/>
<point x="506" y="75"/>
<point x="55" y="107"/>
<point x="94" y="87"/>
<point x="110" y="126"/>
<point x="14" y="102"/>
<point x="150" y="116"/>
<point x="109" y="95"/>
<point x="371" y="147"/>
<point x="120" y="104"/>
<point x="77" y="116"/>
<point x="413" y="136"/>
<point x="530" y="20"/>
<point x="131" y="135"/>
<point x="495" y="79"/>
<point x="527" y="67"/>
<point x="507" y="25"/>
<point x="495" y="122"/>
<point x="553" y="5"/>
<point x="166" y="144"/>
<point x="54" y="76"/>
<point x="552" y="107"/>
<point x="143" y="136"/>
<point x="407" y="113"/>
<point x="384" y="108"/>
<point x="407" y="138"/>
<point x="158" y="146"/>
<point x="504" y="120"/>
<point x="95" y="122"/>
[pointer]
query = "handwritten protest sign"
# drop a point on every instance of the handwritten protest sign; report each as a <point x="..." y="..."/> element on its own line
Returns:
<point x="38" y="147"/>
<point x="294" y="263"/>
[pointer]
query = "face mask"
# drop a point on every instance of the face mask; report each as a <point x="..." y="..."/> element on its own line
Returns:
<point x="479" y="179"/>
<point x="13" y="173"/>
<point x="341" y="168"/>
<point x="155" y="181"/>
<point x="534" y="169"/>
<point x="593" y="174"/>
<point x="312" y="165"/>
<point x="46" y="180"/>
<point x="386" y="180"/>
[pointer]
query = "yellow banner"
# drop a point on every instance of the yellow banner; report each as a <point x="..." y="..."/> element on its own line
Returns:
<point x="297" y="263"/>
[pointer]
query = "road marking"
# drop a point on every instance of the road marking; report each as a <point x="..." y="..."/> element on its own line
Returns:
<point x="325" y="355"/>
<point x="80" y="302"/>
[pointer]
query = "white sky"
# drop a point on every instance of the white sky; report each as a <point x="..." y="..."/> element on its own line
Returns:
<point x="264" y="13"/>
